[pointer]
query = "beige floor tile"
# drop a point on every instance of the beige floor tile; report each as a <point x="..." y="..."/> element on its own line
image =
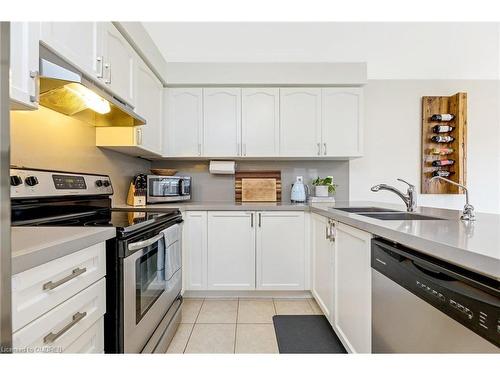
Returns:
<point x="315" y="307"/>
<point x="256" y="311"/>
<point x="212" y="338"/>
<point x="180" y="339"/>
<point x="218" y="311"/>
<point x="293" y="307"/>
<point x="256" y="338"/>
<point x="190" y="310"/>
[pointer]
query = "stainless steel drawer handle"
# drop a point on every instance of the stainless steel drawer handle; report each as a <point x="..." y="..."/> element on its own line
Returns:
<point x="145" y="243"/>
<point x="51" y="337"/>
<point x="54" y="284"/>
<point x="381" y="261"/>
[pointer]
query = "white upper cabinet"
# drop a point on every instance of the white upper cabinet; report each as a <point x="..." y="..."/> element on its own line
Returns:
<point x="24" y="40"/>
<point x="260" y="121"/>
<point x="300" y="121"/>
<point x="322" y="265"/>
<point x="184" y="122"/>
<point x="231" y="250"/>
<point x="78" y="42"/>
<point x="222" y="121"/>
<point x="280" y="248"/>
<point x="342" y="121"/>
<point x="352" y="317"/>
<point x="119" y="64"/>
<point x="149" y="106"/>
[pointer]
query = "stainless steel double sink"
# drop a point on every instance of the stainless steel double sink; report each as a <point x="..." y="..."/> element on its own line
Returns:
<point x="385" y="213"/>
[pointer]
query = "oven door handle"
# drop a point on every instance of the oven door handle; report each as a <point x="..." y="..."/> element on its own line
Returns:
<point x="142" y="244"/>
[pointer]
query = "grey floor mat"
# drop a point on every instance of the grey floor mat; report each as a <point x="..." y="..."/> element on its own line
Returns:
<point x="306" y="334"/>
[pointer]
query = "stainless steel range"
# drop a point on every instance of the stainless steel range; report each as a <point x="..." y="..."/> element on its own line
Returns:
<point x="143" y="262"/>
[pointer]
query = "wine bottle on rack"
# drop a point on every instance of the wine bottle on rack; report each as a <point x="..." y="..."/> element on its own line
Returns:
<point x="442" y="117"/>
<point x="443" y="138"/>
<point x="442" y="163"/>
<point x="442" y="173"/>
<point x="442" y="129"/>
<point x="442" y="151"/>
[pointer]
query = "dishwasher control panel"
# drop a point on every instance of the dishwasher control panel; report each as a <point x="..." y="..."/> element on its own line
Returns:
<point x="472" y="304"/>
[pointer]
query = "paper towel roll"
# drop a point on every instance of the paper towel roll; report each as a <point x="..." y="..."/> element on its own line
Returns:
<point x="222" y="167"/>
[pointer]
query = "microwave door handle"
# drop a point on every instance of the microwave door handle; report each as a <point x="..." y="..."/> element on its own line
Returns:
<point x="180" y="187"/>
<point x="142" y="244"/>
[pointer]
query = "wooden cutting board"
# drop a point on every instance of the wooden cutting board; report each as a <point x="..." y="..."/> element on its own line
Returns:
<point x="258" y="190"/>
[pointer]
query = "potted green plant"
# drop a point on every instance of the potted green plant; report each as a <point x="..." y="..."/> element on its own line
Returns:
<point x="324" y="186"/>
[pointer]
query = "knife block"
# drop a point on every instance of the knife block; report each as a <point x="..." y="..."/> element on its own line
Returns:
<point x="135" y="198"/>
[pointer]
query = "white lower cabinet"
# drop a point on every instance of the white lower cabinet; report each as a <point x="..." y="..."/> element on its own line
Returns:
<point x="195" y="250"/>
<point x="323" y="251"/>
<point x="352" y="315"/>
<point x="231" y="250"/>
<point x="240" y="250"/>
<point x="280" y="250"/>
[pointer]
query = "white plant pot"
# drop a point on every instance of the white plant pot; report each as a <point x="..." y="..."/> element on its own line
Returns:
<point x="321" y="191"/>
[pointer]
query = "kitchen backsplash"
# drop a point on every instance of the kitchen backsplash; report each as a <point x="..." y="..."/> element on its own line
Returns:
<point x="210" y="187"/>
<point x="49" y="140"/>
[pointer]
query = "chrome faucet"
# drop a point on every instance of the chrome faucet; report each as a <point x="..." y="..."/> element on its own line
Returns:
<point x="468" y="213"/>
<point x="410" y="198"/>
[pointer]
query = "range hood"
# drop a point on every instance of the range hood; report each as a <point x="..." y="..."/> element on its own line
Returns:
<point x="63" y="88"/>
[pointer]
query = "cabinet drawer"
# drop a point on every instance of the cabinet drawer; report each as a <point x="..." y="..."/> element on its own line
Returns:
<point x="36" y="291"/>
<point x="92" y="340"/>
<point x="60" y="327"/>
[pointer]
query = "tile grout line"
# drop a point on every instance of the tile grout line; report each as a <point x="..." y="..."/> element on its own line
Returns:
<point x="236" y="325"/>
<point x="192" y="328"/>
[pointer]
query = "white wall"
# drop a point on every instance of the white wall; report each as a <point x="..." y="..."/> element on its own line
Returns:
<point x="393" y="141"/>
<point x="392" y="50"/>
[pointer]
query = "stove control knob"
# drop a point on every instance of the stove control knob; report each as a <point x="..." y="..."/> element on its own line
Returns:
<point x="106" y="183"/>
<point x="98" y="183"/>
<point x="16" y="180"/>
<point x="31" y="181"/>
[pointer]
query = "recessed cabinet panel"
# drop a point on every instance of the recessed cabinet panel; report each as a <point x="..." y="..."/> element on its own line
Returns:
<point x="231" y="250"/>
<point x="184" y="113"/>
<point x="342" y="121"/>
<point x="300" y="122"/>
<point x="352" y="317"/>
<point x="260" y="122"/>
<point x="222" y="121"/>
<point x="280" y="250"/>
<point x="322" y="265"/>
<point x="195" y="250"/>
<point x="24" y="39"/>
<point x="149" y="105"/>
<point x="119" y="64"/>
<point x="78" y="42"/>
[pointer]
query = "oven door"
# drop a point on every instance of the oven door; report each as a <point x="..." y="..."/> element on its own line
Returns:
<point x="152" y="280"/>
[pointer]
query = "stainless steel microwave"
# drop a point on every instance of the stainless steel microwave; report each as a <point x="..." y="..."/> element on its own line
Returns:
<point x="168" y="189"/>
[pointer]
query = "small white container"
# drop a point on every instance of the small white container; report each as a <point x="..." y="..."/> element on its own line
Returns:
<point x="321" y="191"/>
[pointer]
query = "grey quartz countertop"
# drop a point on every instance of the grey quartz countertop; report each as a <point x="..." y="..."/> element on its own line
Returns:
<point x="472" y="245"/>
<point x="34" y="246"/>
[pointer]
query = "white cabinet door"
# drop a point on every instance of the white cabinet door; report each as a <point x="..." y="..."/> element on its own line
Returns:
<point x="280" y="250"/>
<point x="322" y="266"/>
<point x="24" y="40"/>
<point x="119" y="64"/>
<point x="78" y="42"/>
<point x="300" y="121"/>
<point x="231" y="250"/>
<point x="149" y="105"/>
<point x="195" y="250"/>
<point x="184" y="126"/>
<point x="342" y="121"/>
<point x="352" y="317"/>
<point x="222" y="121"/>
<point x="260" y="121"/>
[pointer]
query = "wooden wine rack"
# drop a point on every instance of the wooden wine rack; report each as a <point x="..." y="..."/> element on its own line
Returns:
<point x="456" y="105"/>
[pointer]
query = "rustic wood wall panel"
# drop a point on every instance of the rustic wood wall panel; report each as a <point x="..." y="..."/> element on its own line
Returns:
<point x="456" y="105"/>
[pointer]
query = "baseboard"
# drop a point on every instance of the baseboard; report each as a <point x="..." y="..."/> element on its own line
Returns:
<point x="246" y="294"/>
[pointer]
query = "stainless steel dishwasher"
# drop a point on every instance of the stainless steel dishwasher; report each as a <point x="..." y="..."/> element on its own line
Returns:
<point x="424" y="305"/>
